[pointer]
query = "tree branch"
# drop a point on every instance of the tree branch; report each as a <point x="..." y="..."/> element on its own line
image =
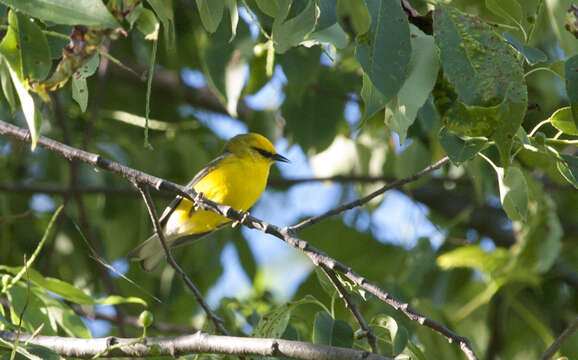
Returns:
<point x="365" y="199"/>
<point x="368" y="332"/>
<point x="286" y="234"/>
<point x="198" y="343"/>
<point x="217" y="321"/>
<point x="557" y="344"/>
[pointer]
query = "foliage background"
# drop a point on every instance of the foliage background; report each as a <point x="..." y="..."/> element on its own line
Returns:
<point x="507" y="280"/>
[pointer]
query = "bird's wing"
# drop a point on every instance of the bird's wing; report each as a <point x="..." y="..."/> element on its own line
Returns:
<point x="201" y="174"/>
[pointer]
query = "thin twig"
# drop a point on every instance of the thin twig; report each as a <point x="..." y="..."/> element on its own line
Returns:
<point x="349" y="304"/>
<point x="217" y="321"/>
<point x="15" y="216"/>
<point x="286" y="234"/>
<point x="365" y="199"/>
<point x="560" y="340"/>
<point x="82" y="214"/>
<point x="26" y="302"/>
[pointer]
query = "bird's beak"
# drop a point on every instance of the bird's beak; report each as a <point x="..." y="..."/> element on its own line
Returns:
<point x="281" y="158"/>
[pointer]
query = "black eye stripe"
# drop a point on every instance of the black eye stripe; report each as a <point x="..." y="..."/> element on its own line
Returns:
<point x="264" y="153"/>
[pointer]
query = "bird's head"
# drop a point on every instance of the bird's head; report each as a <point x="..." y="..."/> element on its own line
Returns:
<point x="255" y="146"/>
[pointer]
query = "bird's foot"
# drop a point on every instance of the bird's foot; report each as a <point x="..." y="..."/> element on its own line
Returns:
<point x="197" y="200"/>
<point x="244" y="216"/>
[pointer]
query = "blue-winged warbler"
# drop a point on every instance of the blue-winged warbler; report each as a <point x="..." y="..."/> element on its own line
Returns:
<point x="236" y="178"/>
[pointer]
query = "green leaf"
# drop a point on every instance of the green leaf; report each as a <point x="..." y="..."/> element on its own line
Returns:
<point x="398" y="334"/>
<point x="474" y="257"/>
<point x="63" y="315"/>
<point x="274" y="323"/>
<point x="373" y="99"/>
<point x="328" y="331"/>
<point x="271" y="7"/>
<point x="423" y="68"/>
<point x="571" y="72"/>
<point x="384" y="51"/>
<point x="29" y="351"/>
<point x="353" y="16"/>
<point x="115" y="300"/>
<point x="459" y="147"/>
<point x="342" y="334"/>
<point x="513" y="192"/>
<point x="246" y="257"/>
<point x="164" y="11"/>
<point x="558" y="68"/>
<point x="34" y="315"/>
<point x="79" y="86"/>
<point x="224" y="63"/>
<point x="322" y="328"/>
<point x="487" y="95"/>
<point x="211" y="12"/>
<point x="70" y="292"/>
<point x="325" y="283"/>
<point x="507" y="9"/>
<point x="26" y="48"/>
<point x="569" y="168"/>
<point x="29" y="110"/>
<point x="333" y="35"/>
<point x="7" y="88"/>
<point x="562" y="120"/>
<point x="68" y="12"/>
<point x="80" y="92"/>
<point x="531" y="54"/>
<point x="234" y="13"/>
<point x="412" y="159"/>
<point x="148" y="24"/>
<point x="290" y="33"/>
<point x="328" y="14"/>
<point x="314" y="117"/>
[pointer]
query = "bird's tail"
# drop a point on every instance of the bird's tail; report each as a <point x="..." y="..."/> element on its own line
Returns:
<point x="150" y="253"/>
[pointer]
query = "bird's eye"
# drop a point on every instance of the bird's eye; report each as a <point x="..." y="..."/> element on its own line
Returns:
<point x="266" y="154"/>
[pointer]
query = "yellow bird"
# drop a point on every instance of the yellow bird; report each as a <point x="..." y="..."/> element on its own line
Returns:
<point x="236" y="178"/>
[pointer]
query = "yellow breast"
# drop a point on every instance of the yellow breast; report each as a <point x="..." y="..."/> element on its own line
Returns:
<point x="234" y="182"/>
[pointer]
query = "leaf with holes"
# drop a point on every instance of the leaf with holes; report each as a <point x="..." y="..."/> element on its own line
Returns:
<point x="483" y="91"/>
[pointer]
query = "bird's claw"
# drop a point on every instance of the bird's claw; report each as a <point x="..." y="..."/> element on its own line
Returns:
<point x="244" y="216"/>
<point x="197" y="200"/>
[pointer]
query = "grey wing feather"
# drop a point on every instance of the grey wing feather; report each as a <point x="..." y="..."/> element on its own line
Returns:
<point x="177" y="200"/>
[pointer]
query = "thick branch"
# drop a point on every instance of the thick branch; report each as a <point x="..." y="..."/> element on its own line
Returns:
<point x="199" y="343"/>
<point x="286" y="234"/>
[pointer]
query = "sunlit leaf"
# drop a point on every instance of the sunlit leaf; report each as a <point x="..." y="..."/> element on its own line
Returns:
<point x="29" y="110"/>
<point x="398" y="333"/>
<point x="562" y="120"/>
<point x="69" y="12"/>
<point x="569" y="168"/>
<point x="164" y="11"/>
<point x="422" y="73"/>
